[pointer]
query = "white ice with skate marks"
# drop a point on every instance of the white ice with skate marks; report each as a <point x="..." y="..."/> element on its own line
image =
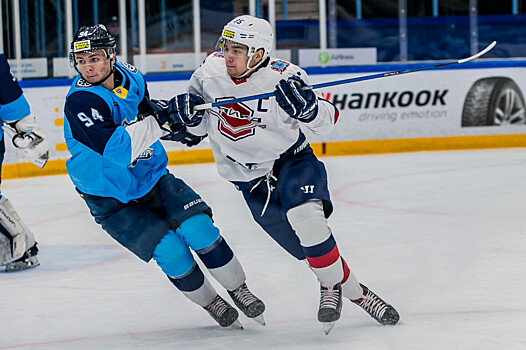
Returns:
<point x="440" y="235"/>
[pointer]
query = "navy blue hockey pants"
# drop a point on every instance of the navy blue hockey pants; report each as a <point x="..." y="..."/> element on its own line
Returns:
<point x="300" y="177"/>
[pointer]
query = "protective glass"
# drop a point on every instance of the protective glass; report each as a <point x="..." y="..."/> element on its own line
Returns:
<point x="231" y="48"/>
<point x="91" y="60"/>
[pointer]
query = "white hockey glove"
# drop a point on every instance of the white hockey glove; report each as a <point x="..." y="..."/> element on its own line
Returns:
<point x="29" y="139"/>
<point x="297" y="103"/>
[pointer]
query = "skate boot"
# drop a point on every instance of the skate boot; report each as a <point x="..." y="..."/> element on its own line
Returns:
<point x="248" y="303"/>
<point x="382" y="312"/>
<point x="223" y="313"/>
<point x="330" y="306"/>
<point x="26" y="261"/>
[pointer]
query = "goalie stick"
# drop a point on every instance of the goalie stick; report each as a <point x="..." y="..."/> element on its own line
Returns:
<point x="350" y="80"/>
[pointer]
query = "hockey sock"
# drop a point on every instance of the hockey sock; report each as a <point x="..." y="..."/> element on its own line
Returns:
<point x="223" y="264"/>
<point x="351" y="288"/>
<point x="325" y="261"/>
<point x="195" y="286"/>
<point x="309" y="223"/>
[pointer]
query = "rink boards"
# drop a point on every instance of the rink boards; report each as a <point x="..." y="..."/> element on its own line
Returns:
<point x="474" y="105"/>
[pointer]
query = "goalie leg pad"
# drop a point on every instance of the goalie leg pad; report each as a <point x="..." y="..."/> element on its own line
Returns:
<point x="14" y="234"/>
<point x="6" y="250"/>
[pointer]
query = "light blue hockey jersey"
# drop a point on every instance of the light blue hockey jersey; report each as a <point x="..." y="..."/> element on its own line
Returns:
<point x="13" y="104"/>
<point x="97" y="129"/>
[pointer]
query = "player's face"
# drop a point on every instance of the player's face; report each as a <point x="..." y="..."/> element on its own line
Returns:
<point x="236" y="58"/>
<point x="94" y="66"/>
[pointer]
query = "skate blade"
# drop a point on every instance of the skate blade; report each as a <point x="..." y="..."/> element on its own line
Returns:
<point x="328" y="326"/>
<point x="236" y="325"/>
<point x="19" y="266"/>
<point x="259" y="319"/>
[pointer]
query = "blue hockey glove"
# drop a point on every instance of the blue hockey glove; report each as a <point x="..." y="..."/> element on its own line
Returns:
<point x="179" y="133"/>
<point x="297" y="103"/>
<point x="181" y="109"/>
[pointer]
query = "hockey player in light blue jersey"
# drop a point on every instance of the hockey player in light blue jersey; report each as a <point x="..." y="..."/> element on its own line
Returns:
<point x="118" y="166"/>
<point x="18" y="249"/>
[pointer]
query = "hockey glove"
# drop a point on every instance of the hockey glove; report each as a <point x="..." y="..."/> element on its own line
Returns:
<point x="181" y="109"/>
<point x="29" y="139"/>
<point x="297" y="103"/>
<point x="160" y="108"/>
<point x="179" y="133"/>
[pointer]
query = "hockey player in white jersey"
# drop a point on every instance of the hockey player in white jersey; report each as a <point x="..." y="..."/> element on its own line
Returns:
<point x="259" y="146"/>
<point x="18" y="249"/>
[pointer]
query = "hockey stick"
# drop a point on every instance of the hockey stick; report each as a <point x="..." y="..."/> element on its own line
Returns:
<point x="346" y="81"/>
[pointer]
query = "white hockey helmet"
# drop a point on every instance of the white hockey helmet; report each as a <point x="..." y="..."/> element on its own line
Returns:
<point x="256" y="33"/>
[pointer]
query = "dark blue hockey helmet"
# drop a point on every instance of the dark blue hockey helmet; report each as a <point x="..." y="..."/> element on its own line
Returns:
<point x="92" y="38"/>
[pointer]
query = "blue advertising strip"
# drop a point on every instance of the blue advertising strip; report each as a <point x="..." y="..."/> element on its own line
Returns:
<point x="313" y="70"/>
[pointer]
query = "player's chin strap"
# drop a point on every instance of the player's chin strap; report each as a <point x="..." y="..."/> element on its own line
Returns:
<point x="253" y="69"/>
<point x="112" y="70"/>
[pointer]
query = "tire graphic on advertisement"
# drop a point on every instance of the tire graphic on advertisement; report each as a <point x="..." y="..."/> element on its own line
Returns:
<point x="494" y="101"/>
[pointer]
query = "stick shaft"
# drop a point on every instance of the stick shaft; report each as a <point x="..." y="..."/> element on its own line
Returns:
<point x="350" y="80"/>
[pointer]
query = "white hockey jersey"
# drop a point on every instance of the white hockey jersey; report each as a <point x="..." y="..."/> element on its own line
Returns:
<point x="247" y="137"/>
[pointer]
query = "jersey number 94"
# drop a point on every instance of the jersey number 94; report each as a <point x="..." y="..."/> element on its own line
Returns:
<point x="95" y="115"/>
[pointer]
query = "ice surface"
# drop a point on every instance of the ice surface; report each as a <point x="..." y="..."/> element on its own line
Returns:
<point x="440" y="235"/>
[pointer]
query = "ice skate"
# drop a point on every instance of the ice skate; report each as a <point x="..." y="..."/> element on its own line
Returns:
<point x="27" y="261"/>
<point x="382" y="312"/>
<point x="330" y="306"/>
<point x="223" y="313"/>
<point x="248" y="303"/>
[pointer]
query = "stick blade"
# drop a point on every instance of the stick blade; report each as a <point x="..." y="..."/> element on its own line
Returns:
<point x="481" y="53"/>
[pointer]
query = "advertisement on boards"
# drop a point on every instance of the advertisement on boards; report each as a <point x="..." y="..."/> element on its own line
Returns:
<point x="436" y="103"/>
<point x="453" y="102"/>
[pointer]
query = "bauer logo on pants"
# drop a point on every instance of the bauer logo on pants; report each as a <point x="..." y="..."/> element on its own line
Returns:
<point x="192" y="203"/>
